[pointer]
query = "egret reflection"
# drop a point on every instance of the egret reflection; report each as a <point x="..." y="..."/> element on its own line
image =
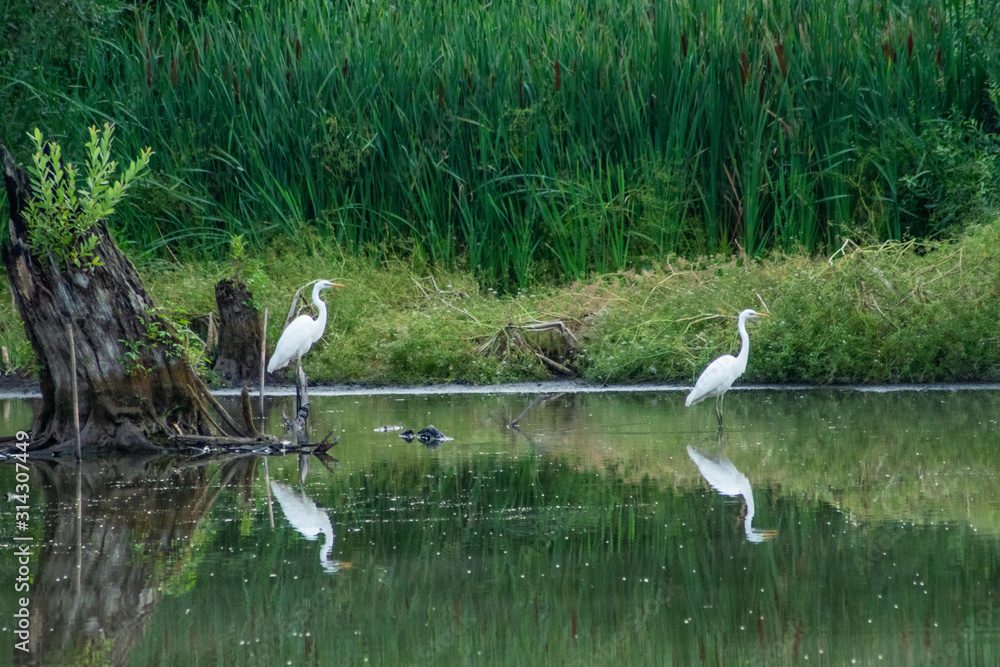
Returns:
<point x="309" y="520"/>
<point x="723" y="476"/>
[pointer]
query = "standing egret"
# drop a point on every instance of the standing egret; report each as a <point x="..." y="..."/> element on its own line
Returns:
<point x="300" y="335"/>
<point x="719" y="376"/>
<point x="723" y="476"/>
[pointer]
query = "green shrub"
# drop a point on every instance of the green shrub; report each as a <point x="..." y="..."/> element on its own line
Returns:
<point x="60" y="216"/>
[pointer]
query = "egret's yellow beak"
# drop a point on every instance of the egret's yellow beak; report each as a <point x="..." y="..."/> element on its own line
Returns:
<point x="333" y="284"/>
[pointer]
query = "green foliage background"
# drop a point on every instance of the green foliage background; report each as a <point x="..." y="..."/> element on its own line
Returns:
<point x="526" y="143"/>
<point x="638" y="172"/>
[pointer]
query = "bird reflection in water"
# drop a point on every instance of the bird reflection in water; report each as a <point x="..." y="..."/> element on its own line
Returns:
<point x="309" y="520"/>
<point x="723" y="476"/>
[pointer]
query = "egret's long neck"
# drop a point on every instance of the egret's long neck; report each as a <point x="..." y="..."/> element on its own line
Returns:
<point x="748" y="519"/>
<point x="745" y="346"/>
<point x="321" y="306"/>
<point x="324" y="554"/>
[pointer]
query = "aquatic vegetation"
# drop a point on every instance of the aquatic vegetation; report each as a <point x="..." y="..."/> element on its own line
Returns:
<point x="586" y="141"/>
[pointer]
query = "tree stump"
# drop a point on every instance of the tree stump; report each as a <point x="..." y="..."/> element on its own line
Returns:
<point x="239" y="334"/>
<point x="135" y="385"/>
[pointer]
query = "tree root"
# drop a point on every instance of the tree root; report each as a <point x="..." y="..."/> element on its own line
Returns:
<point x="514" y="338"/>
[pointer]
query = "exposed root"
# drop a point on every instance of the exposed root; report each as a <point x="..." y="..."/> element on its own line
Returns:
<point x="526" y="339"/>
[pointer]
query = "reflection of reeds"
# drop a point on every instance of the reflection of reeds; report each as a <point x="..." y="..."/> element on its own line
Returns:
<point x="725" y="122"/>
<point x="539" y="558"/>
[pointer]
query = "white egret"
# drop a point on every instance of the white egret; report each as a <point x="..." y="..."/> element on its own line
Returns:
<point x="300" y="335"/>
<point x="723" y="476"/>
<point x="719" y="376"/>
<point x="309" y="520"/>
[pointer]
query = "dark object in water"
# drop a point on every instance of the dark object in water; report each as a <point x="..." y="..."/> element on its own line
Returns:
<point x="431" y="434"/>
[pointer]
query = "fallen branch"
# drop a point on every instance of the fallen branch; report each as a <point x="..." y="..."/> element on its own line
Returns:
<point x="437" y="289"/>
<point x="538" y="399"/>
<point x="226" y="440"/>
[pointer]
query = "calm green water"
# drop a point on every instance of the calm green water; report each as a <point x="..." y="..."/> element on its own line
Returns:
<point x="594" y="534"/>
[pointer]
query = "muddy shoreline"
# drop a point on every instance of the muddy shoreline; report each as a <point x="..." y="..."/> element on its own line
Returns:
<point x="12" y="387"/>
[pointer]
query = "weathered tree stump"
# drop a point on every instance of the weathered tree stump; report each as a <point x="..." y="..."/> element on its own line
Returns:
<point x="240" y="334"/>
<point x="135" y="385"/>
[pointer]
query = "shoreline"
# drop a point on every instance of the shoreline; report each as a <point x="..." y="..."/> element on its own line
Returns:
<point x="18" y="388"/>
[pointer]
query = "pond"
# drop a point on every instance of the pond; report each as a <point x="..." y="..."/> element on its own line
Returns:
<point x="610" y="528"/>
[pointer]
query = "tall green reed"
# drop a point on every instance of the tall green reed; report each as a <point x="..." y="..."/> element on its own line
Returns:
<point x="558" y="139"/>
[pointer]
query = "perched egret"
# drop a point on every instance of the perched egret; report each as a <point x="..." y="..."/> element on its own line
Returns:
<point x="719" y="376"/>
<point x="723" y="476"/>
<point x="309" y="520"/>
<point x="300" y="335"/>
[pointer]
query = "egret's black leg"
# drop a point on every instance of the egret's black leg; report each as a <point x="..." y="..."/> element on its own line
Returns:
<point x="298" y="390"/>
<point x="718" y="408"/>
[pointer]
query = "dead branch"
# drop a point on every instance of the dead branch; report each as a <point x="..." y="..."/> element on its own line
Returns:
<point x="437" y="289"/>
<point x="538" y="399"/>
<point x="293" y="310"/>
<point x="247" y="412"/>
<point x="226" y="441"/>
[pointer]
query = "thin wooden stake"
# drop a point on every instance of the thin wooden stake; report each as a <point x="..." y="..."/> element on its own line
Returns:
<point x="263" y="355"/>
<point x="6" y="359"/>
<point x="76" y="397"/>
<point x="79" y="530"/>
<point x="267" y="479"/>
<point x="212" y="337"/>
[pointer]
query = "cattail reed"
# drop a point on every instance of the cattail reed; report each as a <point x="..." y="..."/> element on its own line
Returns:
<point x="779" y="52"/>
<point x="691" y="117"/>
<point x="888" y="52"/>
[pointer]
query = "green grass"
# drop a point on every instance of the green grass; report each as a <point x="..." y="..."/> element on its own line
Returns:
<point x="901" y="312"/>
<point x="527" y="143"/>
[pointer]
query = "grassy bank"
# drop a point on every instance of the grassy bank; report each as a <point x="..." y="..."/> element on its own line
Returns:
<point x="525" y="142"/>
<point x="894" y="313"/>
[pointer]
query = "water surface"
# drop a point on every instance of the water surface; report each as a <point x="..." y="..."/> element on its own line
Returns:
<point x="609" y="529"/>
